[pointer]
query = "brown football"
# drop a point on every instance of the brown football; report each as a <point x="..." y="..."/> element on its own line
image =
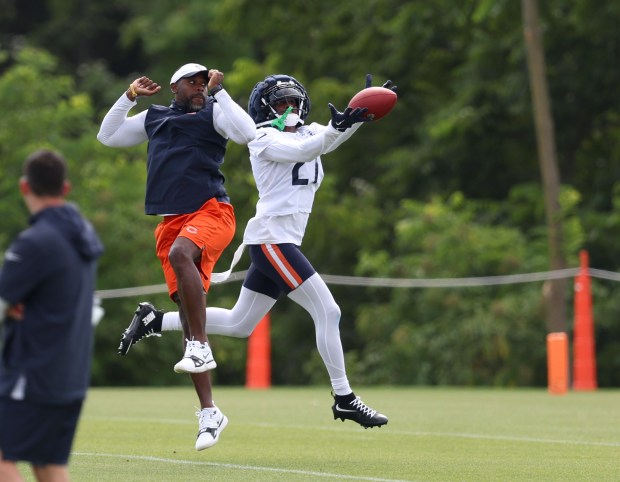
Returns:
<point x="379" y="101"/>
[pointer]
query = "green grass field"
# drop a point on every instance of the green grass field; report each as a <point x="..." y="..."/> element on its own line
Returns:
<point x="288" y="434"/>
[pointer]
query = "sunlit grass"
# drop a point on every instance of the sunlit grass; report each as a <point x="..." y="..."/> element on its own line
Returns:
<point x="289" y="434"/>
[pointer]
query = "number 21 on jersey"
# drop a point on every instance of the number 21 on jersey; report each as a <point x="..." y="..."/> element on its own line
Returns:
<point x="300" y="181"/>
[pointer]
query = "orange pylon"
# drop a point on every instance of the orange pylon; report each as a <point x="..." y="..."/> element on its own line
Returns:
<point x="584" y="353"/>
<point x="557" y="363"/>
<point x="258" y="365"/>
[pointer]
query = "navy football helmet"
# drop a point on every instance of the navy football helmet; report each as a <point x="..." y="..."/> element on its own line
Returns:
<point x="272" y="90"/>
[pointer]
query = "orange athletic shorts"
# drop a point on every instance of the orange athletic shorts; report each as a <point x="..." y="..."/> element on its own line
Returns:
<point x="211" y="228"/>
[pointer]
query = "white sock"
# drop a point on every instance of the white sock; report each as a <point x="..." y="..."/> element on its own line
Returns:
<point x="341" y="386"/>
<point x="171" y="321"/>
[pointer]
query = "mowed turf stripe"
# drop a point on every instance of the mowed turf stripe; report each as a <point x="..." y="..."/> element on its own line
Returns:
<point x="387" y="430"/>
<point x="254" y="468"/>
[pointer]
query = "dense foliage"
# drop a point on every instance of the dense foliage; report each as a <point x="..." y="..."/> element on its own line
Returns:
<point x="447" y="186"/>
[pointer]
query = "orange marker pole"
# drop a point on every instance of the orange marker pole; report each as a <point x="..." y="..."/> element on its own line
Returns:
<point x="584" y="353"/>
<point x="557" y="363"/>
<point x="258" y="365"/>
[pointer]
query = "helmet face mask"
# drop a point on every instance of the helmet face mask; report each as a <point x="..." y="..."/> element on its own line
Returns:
<point x="284" y="95"/>
<point x="274" y="90"/>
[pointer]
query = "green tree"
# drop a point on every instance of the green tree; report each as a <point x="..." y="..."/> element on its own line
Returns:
<point x="463" y="124"/>
<point x="108" y="185"/>
<point x="468" y="335"/>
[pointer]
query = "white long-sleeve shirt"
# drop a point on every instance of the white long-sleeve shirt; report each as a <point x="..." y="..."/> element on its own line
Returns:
<point x="288" y="171"/>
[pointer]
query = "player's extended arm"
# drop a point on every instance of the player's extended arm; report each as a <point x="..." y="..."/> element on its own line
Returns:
<point x="231" y="121"/>
<point x="342" y="121"/>
<point x="283" y="147"/>
<point x="118" y="130"/>
<point x="340" y="118"/>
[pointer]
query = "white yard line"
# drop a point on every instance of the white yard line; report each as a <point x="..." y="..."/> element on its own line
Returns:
<point x="249" y="468"/>
<point x="513" y="438"/>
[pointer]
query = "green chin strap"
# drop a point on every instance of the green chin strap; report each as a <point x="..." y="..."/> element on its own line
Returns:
<point x="279" y="122"/>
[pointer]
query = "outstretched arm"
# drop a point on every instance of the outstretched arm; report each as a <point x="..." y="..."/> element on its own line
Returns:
<point x="231" y="121"/>
<point x="351" y="120"/>
<point x="229" y="118"/>
<point x="119" y="130"/>
<point x="282" y="147"/>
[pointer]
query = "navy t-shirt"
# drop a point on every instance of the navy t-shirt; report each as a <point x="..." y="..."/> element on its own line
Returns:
<point x="50" y="268"/>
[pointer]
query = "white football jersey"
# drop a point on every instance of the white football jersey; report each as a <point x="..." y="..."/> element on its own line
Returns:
<point x="288" y="171"/>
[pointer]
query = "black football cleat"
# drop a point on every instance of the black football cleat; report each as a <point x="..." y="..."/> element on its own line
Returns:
<point x="145" y="322"/>
<point x="350" y="407"/>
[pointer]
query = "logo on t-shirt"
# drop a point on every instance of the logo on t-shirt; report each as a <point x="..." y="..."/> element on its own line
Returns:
<point x="11" y="256"/>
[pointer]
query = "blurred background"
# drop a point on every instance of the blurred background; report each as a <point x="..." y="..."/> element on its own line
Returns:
<point x="447" y="186"/>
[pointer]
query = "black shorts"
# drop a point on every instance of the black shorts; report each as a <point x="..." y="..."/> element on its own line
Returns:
<point x="276" y="269"/>
<point x="37" y="433"/>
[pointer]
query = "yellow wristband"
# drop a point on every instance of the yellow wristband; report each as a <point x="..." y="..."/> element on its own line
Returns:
<point x="133" y="91"/>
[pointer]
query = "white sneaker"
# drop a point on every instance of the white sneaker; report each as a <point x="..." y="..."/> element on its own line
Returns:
<point x="197" y="359"/>
<point x="211" y="422"/>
